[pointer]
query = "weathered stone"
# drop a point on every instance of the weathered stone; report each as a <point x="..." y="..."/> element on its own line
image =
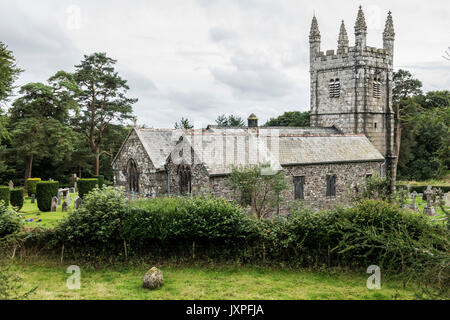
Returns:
<point x="54" y="205"/>
<point x="77" y="203"/>
<point x="11" y="184"/>
<point x="33" y="198"/>
<point x="64" y="207"/>
<point x="429" y="210"/>
<point x="153" y="279"/>
<point x="447" y="199"/>
<point x="413" y="206"/>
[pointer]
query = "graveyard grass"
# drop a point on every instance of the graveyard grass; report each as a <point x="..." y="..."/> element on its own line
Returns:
<point x="49" y="219"/>
<point x="204" y="283"/>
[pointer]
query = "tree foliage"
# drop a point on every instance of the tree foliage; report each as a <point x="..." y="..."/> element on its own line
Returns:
<point x="257" y="186"/>
<point x="230" y="121"/>
<point x="290" y="119"/>
<point x="102" y="101"/>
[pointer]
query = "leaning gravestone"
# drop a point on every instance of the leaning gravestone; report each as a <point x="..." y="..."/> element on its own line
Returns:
<point x="77" y="203"/>
<point x="429" y="210"/>
<point x="54" y="204"/>
<point x="11" y="184"/>
<point x="153" y="279"/>
<point x="33" y="198"/>
<point x="69" y="200"/>
<point x="64" y="207"/>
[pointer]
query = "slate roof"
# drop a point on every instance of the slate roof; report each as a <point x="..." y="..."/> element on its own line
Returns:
<point x="221" y="149"/>
<point x="158" y="143"/>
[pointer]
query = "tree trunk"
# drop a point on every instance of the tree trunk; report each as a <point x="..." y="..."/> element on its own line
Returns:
<point x="97" y="163"/>
<point x="28" y="168"/>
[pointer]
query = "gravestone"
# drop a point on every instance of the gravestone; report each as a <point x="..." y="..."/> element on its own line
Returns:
<point x="54" y="204"/>
<point x="438" y="197"/>
<point x="447" y="199"/>
<point x="33" y="198"/>
<point x="77" y="203"/>
<point x="11" y="184"/>
<point x="429" y="210"/>
<point x="65" y="206"/>
<point x="72" y="190"/>
<point x="413" y="206"/>
<point x="69" y="200"/>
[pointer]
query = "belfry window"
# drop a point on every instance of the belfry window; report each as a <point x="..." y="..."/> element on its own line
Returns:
<point x="331" y="186"/>
<point x="377" y="88"/>
<point x="299" y="184"/>
<point x="335" y="88"/>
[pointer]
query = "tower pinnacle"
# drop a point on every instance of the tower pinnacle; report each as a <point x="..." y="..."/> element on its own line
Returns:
<point x="343" y="37"/>
<point x="314" y="34"/>
<point x="389" y="29"/>
<point x="360" y="26"/>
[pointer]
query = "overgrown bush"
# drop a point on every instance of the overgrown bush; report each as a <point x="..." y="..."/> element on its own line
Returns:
<point x="101" y="180"/>
<point x="17" y="198"/>
<point x="11" y="285"/>
<point x="10" y="222"/>
<point x="98" y="221"/>
<point x="31" y="185"/>
<point x="45" y="191"/>
<point x="5" y="195"/>
<point x="86" y="185"/>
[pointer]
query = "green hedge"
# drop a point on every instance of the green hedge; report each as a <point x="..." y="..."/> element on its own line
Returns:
<point x="5" y="195"/>
<point x="45" y="191"/>
<point x="85" y="186"/>
<point x="101" y="180"/>
<point x="371" y="232"/>
<point x="17" y="198"/>
<point x="422" y="188"/>
<point x="31" y="185"/>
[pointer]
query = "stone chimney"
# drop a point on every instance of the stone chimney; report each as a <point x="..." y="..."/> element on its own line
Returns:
<point x="252" y="121"/>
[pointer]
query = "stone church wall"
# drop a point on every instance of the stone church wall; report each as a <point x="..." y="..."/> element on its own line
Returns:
<point x="149" y="179"/>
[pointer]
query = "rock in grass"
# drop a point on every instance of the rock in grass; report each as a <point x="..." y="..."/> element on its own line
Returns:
<point x="153" y="279"/>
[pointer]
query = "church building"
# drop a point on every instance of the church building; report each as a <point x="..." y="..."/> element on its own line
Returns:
<point x="350" y="138"/>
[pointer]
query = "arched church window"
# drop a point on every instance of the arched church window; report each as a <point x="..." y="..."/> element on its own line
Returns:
<point x="132" y="176"/>
<point x="377" y="88"/>
<point x="184" y="174"/>
<point x="335" y="88"/>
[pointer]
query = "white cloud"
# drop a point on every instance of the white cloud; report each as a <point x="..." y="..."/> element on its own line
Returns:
<point x="202" y="58"/>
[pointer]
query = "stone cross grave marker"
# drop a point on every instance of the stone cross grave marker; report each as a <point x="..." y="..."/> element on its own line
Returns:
<point x="429" y="210"/>
<point x="413" y="196"/>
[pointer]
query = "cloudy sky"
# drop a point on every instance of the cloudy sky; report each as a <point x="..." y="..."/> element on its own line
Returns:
<point x="203" y="58"/>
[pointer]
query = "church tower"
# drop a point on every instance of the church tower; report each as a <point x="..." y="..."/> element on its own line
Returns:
<point x="351" y="89"/>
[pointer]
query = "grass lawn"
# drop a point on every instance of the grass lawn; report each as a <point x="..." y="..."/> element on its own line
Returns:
<point x="49" y="219"/>
<point x="203" y="283"/>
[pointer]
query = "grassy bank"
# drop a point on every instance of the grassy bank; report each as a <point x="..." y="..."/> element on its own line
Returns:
<point x="204" y="283"/>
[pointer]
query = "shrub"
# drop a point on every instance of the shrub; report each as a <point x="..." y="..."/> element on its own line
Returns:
<point x="101" y="180"/>
<point x="17" y="198"/>
<point x="5" y="194"/>
<point x="45" y="191"/>
<point x="98" y="220"/>
<point x="10" y="222"/>
<point x="85" y="186"/>
<point x="31" y="185"/>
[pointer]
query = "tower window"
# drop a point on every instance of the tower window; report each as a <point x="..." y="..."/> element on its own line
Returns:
<point x="377" y="88"/>
<point x="335" y="88"/>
